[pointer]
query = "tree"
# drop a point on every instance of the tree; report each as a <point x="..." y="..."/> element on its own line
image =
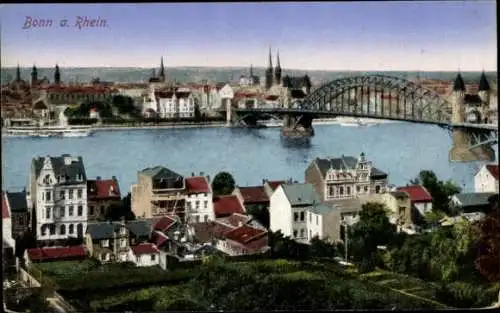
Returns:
<point x="260" y="213"/>
<point x="124" y="104"/>
<point x="439" y="190"/>
<point x="223" y="184"/>
<point x="321" y="248"/>
<point x="488" y="260"/>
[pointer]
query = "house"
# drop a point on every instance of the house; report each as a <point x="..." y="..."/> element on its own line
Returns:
<point x="175" y="104"/>
<point x="48" y="254"/>
<point x="486" y="179"/>
<point x="252" y="196"/>
<point x="271" y="185"/>
<point x="158" y="192"/>
<point x="108" y="241"/>
<point x="199" y="199"/>
<point x="345" y="178"/>
<point x="227" y="205"/>
<point x="144" y="254"/>
<point x="400" y="206"/>
<point x="41" y="110"/>
<point x="150" y="103"/>
<point x="297" y="211"/>
<point x="58" y="197"/>
<point x="102" y="194"/>
<point x="420" y="198"/>
<point x="471" y="202"/>
<point x="17" y="203"/>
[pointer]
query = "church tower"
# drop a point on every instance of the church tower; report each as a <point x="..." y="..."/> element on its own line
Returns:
<point x="484" y="93"/>
<point x="458" y="104"/>
<point x="34" y="76"/>
<point x="162" y="71"/>
<point x="57" y="75"/>
<point x="277" y="70"/>
<point x="269" y="72"/>
<point x="18" y="73"/>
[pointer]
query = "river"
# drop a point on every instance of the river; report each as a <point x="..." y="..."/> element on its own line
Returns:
<point x="400" y="149"/>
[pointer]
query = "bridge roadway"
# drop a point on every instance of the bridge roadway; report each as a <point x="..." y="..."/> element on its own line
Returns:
<point x="272" y="111"/>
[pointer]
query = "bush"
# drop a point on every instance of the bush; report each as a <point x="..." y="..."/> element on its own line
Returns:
<point x="82" y="121"/>
<point x="464" y="295"/>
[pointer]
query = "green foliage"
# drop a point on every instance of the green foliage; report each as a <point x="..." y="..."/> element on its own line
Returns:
<point x="223" y="184"/>
<point x="285" y="247"/>
<point x="260" y="213"/>
<point x="125" y="105"/>
<point x="488" y="242"/>
<point x="441" y="191"/>
<point x="321" y="248"/>
<point x="464" y="295"/>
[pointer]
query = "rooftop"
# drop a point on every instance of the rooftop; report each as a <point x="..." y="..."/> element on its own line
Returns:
<point x="53" y="253"/>
<point x="103" y="189"/>
<point x="197" y="184"/>
<point x="144" y="248"/>
<point x="344" y="163"/>
<point x="473" y="198"/>
<point x="417" y="193"/>
<point x="253" y="194"/>
<point x="65" y="165"/>
<point x="227" y="205"/>
<point x="301" y="194"/>
<point x="244" y="234"/>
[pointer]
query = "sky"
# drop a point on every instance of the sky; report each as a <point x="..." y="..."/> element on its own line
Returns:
<point x="413" y="35"/>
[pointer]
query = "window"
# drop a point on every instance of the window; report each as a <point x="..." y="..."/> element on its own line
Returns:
<point x="79" y="193"/>
<point x="80" y="210"/>
<point x="62" y="194"/>
<point x="189" y="206"/>
<point x="295" y="234"/>
<point x="47" y="212"/>
<point x="295" y="216"/>
<point x="302" y="233"/>
<point x="358" y="188"/>
<point x="366" y="188"/>
<point x="331" y="190"/>
<point x="341" y="190"/>
<point x="71" y="229"/>
<point x="205" y="218"/>
<point x="62" y="211"/>
<point x="302" y="216"/>
<point x="317" y="220"/>
<point x="197" y="218"/>
<point x="91" y="210"/>
<point x="377" y="189"/>
<point x="205" y="204"/>
<point x="348" y="190"/>
<point x="70" y="194"/>
<point x="44" y="230"/>
<point x="102" y="209"/>
<point x="197" y="204"/>
<point x="52" y="229"/>
<point x="62" y="230"/>
<point x="310" y="234"/>
<point x="310" y="217"/>
<point x="105" y="243"/>
<point x="47" y="195"/>
<point x="70" y="210"/>
<point x="79" y="230"/>
<point x="153" y="257"/>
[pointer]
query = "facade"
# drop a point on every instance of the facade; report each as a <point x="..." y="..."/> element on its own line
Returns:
<point x="199" y="201"/>
<point x="270" y="186"/>
<point x="144" y="254"/>
<point x="108" y="241"/>
<point x="7" y="238"/>
<point x="58" y="197"/>
<point x="296" y="210"/>
<point x="471" y="202"/>
<point x="399" y="203"/>
<point x="486" y="179"/>
<point x="175" y="104"/>
<point x="102" y="194"/>
<point x="158" y="192"/>
<point x="420" y="198"/>
<point x="345" y="178"/>
<point x="17" y="204"/>
<point x="225" y="98"/>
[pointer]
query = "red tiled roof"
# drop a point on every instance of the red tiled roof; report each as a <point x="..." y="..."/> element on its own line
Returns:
<point x="274" y="184"/>
<point x="253" y="194"/>
<point x="234" y="219"/>
<point x="144" y="248"/>
<point x="244" y="234"/>
<point x="271" y="97"/>
<point x="158" y="238"/>
<point x="164" y="223"/>
<point x="197" y="184"/>
<point x="103" y="189"/>
<point x="227" y="205"/>
<point x="493" y="169"/>
<point x="5" y="206"/>
<point x="79" y="89"/>
<point x="417" y="193"/>
<point x="52" y="253"/>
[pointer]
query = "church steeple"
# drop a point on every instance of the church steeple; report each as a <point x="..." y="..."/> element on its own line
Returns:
<point x="57" y="75"/>
<point x="251" y="70"/>
<point x="459" y="84"/>
<point x="277" y="70"/>
<point x="162" y="70"/>
<point x="269" y="71"/>
<point x="34" y="75"/>
<point x="18" y="73"/>
<point x="483" y="83"/>
<point x="270" y="62"/>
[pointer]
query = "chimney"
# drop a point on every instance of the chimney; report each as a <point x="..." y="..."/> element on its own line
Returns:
<point x="98" y="178"/>
<point x="192" y="174"/>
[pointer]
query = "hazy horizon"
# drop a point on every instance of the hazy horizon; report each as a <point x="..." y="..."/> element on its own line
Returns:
<point x="442" y="36"/>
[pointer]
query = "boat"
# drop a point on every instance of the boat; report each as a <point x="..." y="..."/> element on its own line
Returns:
<point x="47" y="131"/>
<point x="272" y="123"/>
<point x="355" y="123"/>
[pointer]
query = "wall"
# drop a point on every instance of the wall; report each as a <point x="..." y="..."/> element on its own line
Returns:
<point x="331" y="225"/>
<point x="144" y="259"/>
<point x="484" y="181"/>
<point x="314" y="226"/>
<point x="280" y="213"/>
<point x="313" y="177"/>
<point x="202" y="211"/>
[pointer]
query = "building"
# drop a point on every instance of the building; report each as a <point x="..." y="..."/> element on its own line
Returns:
<point x="145" y="254"/>
<point x="224" y="206"/>
<point x="486" y="179"/>
<point x="158" y="192"/>
<point x="296" y="210"/>
<point x="471" y="202"/>
<point x="345" y="178"/>
<point x="420" y="198"/>
<point x="17" y="203"/>
<point x="199" y="199"/>
<point x="399" y="203"/>
<point x="58" y="197"/>
<point x="102" y="195"/>
<point x="51" y="254"/>
<point x="255" y="196"/>
<point x="175" y="104"/>
<point x="7" y="238"/>
<point x="271" y="185"/>
<point x="108" y="241"/>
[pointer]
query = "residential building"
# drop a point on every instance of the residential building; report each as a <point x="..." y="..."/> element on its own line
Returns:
<point x="252" y="196"/>
<point x="175" y="104"/>
<point x="296" y="210"/>
<point x="158" y="192"/>
<point x="345" y="178"/>
<point x="271" y="185"/>
<point x="486" y="179"/>
<point x="149" y="102"/>
<point x="108" y="241"/>
<point x="400" y="205"/>
<point x="144" y="254"/>
<point x="18" y="207"/>
<point x="51" y="254"/>
<point x="58" y="197"/>
<point x="102" y="195"/>
<point x="199" y="202"/>
<point x="224" y="98"/>
<point x="471" y="202"/>
<point x="420" y="198"/>
<point x="227" y="205"/>
<point x="8" y="241"/>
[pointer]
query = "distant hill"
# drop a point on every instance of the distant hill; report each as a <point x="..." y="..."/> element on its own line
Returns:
<point x="211" y="74"/>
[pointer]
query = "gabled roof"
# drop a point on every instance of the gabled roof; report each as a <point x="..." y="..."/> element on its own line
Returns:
<point x="159" y="172"/>
<point x="344" y="162"/>
<point x="244" y="234"/>
<point x="301" y="194"/>
<point x="483" y="83"/>
<point x="18" y="202"/>
<point x="227" y="205"/>
<point x="253" y="194"/>
<point x="234" y="219"/>
<point x="473" y="198"/>
<point x="197" y="184"/>
<point x="164" y="223"/>
<point x="141" y="228"/>
<point x="102" y="230"/>
<point x="275" y="183"/>
<point x="144" y="248"/>
<point x="103" y="189"/>
<point x="70" y="171"/>
<point x="158" y="238"/>
<point x="5" y="206"/>
<point x="399" y="194"/>
<point x="320" y="209"/>
<point x="53" y="253"/>
<point x="417" y="193"/>
<point x="493" y="169"/>
<point x="204" y="232"/>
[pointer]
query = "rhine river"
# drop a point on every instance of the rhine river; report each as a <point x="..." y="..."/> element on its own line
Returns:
<point x="400" y="149"/>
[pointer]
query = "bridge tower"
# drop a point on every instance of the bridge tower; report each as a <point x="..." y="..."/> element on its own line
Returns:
<point x="484" y="94"/>
<point x="460" y="136"/>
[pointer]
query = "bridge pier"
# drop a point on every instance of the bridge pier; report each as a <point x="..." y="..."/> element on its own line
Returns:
<point x="461" y="151"/>
<point x="297" y="127"/>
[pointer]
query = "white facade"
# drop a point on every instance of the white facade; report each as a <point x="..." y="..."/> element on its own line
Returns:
<point x="167" y="107"/>
<point x="186" y="106"/>
<point x="145" y="259"/>
<point x="280" y="213"/>
<point x="423" y="207"/>
<point x="215" y="99"/>
<point x="7" y="222"/>
<point x="484" y="181"/>
<point x="178" y="105"/>
<point x="226" y="95"/>
<point x="149" y="102"/>
<point x="61" y="210"/>
<point x="200" y="207"/>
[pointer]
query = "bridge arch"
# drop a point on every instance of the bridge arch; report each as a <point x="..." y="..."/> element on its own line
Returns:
<point x="407" y="100"/>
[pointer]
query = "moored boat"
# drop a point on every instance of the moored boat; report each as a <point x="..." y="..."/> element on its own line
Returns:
<point x="47" y="131"/>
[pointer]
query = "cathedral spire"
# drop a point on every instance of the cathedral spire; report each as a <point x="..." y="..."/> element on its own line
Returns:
<point x="34" y="75"/>
<point x="18" y="73"/>
<point x="278" y="65"/>
<point x="270" y="63"/>
<point x="57" y="75"/>
<point x="277" y="70"/>
<point x="162" y="70"/>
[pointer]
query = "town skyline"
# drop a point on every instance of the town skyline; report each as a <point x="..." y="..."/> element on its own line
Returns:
<point x="390" y="36"/>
